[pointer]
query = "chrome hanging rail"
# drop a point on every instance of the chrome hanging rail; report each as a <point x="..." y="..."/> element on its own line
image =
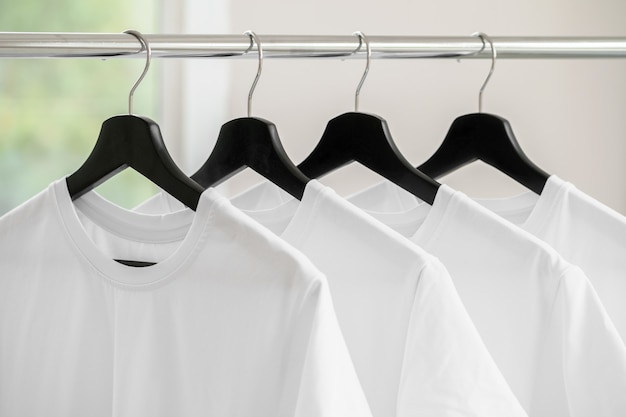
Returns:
<point x="103" y="45"/>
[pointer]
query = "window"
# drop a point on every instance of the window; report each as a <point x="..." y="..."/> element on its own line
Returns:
<point x="51" y="110"/>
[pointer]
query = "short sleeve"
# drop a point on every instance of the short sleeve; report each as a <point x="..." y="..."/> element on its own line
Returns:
<point x="329" y="384"/>
<point x="594" y="357"/>
<point x="447" y="369"/>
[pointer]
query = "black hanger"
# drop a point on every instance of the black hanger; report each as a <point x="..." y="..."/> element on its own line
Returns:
<point x="485" y="137"/>
<point x="366" y="139"/>
<point x="136" y="142"/>
<point x="251" y="142"/>
<point x="489" y="138"/>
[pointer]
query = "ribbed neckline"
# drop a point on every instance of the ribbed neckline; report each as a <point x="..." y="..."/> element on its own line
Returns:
<point x="292" y="218"/>
<point x="184" y="225"/>
<point x="276" y="218"/>
<point x="537" y="209"/>
<point x="414" y="219"/>
<point x="303" y="217"/>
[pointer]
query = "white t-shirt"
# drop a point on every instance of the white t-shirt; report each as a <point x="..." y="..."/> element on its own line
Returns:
<point x="231" y="321"/>
<point x="584" y="231"/>
<point x="414" y="347"/>
<point x="539" y="316"/>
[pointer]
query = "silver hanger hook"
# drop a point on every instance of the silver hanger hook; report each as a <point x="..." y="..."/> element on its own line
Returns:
<point x="144" y="46"/>
<point x="362" y="39"/>
<point x="254" y="39"/>
<point x="494" y="55"/>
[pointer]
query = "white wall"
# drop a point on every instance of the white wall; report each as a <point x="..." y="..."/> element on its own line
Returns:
<point x="568" y="115"/>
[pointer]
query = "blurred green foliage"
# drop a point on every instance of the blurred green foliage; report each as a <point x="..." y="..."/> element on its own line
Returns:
<point x="51" y="110"/>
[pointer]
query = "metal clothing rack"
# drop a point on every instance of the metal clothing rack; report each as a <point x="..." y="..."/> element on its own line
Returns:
<point x="109" y="45"/>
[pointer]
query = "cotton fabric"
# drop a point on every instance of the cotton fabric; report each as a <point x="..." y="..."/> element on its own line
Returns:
<point x="583" y="230"/>
<point x="414" y="347"/>
<point x="538" y="315"/>
<point x="231" y="321"/>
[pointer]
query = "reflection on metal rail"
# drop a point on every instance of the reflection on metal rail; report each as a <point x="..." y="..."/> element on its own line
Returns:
<point x="102" y="45"/>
